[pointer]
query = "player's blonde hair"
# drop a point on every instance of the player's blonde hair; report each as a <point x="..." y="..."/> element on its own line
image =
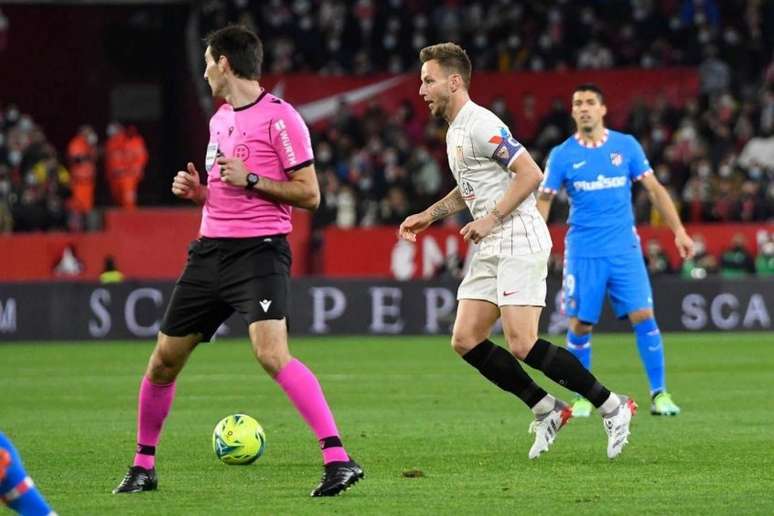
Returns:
<point x="451" y="57"/>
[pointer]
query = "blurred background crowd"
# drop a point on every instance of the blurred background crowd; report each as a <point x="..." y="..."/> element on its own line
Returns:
<point x="42" y="189"/>
<point x="366" y="36"/>
<point x="714" y="153"/>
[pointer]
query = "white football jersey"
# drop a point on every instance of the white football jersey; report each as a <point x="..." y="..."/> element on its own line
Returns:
<point x="480" y="149"/>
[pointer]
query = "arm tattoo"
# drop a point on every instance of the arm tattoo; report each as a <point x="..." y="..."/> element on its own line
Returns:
<point x="500" y="218"/>
<point x="439" y="211"/>
<point x="450" y="204"/>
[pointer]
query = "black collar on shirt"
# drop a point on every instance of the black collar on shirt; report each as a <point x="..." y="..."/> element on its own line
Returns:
<point x="251" y="104"/>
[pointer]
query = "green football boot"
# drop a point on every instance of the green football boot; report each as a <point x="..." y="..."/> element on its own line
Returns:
<point x="581" y="407"/>
<point x="663" y="405"/>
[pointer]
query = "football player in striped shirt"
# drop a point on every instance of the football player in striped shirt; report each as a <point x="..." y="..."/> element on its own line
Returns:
<point x="497" y="180"/>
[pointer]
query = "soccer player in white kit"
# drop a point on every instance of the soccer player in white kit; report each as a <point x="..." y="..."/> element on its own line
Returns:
<point x="496" y="180"/>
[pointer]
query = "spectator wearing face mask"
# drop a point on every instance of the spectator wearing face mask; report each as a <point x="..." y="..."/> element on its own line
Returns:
<point x="394" y="207"/>
<point x="752" y="202"/>
<point x="656" y="260"/>
<point x="757" y="158"/>
<point x="702" y="264"/>
<point x="14" y="142"/>
<point x="764" y="262"/>
<point x="697" y="192"/>
<point x="737" y="261"/>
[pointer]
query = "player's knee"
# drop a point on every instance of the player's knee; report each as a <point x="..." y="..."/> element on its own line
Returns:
<point x="462" y="342"/>
<point x="638" y="316"/>
<point x="272" y="359"/>
<point x="265" y="356"/>
<point x="270" y="344"/>
<point x="161" y="370"/>
<point x="579" y="327"/>
<point x="520" y="348"/>
<point x="165" y="362"/>
<point x="520" y="343"/>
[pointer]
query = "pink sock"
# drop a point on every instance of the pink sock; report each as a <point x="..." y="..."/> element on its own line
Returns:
<point x="304" y="391"/>
<point x="152" y="409"/>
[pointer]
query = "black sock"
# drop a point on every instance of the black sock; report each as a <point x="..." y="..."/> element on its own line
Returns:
<point x="144" y="449"/>
<point x="562" y="367"/>
<point x="502" y="369"/>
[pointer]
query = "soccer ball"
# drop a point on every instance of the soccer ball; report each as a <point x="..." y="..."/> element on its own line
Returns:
<point x="238" y="439"/>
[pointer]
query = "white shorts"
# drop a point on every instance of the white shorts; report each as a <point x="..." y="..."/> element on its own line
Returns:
<point x="507" y="280"/>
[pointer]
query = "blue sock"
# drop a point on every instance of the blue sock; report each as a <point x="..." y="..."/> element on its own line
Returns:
<point x="16" y="488"/>
<point x="651" y="349"/>
<point x="580" y="346"/>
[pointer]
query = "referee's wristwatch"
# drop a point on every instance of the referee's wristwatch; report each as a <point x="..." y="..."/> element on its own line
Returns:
<point x="252" y="180"/>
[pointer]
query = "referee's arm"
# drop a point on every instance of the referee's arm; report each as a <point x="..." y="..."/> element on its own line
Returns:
<point x="301" y="190"/>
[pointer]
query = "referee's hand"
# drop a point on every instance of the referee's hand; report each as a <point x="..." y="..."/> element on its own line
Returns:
<point x="186" y="183"/>
<point x="233" y="171"/>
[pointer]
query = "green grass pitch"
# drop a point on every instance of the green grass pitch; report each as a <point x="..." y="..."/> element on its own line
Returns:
<point x="402" y="403"/>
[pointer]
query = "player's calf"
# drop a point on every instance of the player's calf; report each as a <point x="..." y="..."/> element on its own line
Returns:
<point x="563" y="368"/>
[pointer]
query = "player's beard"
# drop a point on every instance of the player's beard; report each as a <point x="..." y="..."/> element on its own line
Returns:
<point x="438" y="109"/>
<point x="587" y="127"/>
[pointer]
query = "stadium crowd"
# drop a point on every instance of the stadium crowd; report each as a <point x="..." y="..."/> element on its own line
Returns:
<point x="34" y="185"/>
<point x="41" y="191"/>
<point x="365" y="36"/>
<point x="718" y="161"/>
<point x="715" y="153"/>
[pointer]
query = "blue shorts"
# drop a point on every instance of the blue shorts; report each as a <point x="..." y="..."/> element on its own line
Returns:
<point x="623" y="277"/>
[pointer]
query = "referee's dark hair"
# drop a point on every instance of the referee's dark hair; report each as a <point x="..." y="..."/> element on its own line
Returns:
<point x="241" y="46"/>
<point x="590" y="86"/>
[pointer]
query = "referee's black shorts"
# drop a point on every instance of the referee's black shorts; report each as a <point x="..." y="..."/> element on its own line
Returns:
<point x="223" y="275"/>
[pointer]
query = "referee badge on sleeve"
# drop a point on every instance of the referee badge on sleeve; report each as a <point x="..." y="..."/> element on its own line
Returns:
<point x="212" y="153"/>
